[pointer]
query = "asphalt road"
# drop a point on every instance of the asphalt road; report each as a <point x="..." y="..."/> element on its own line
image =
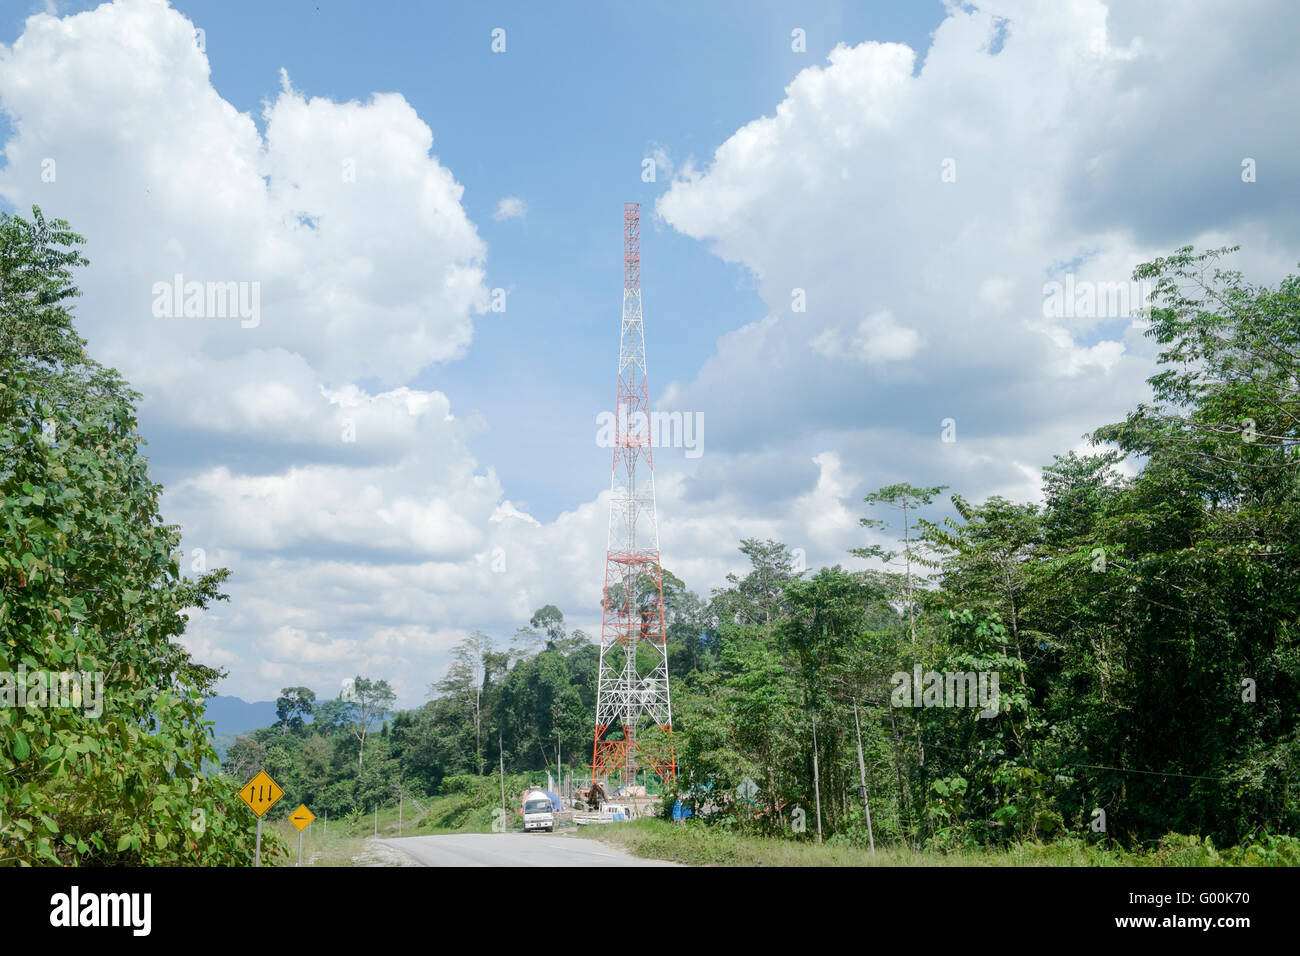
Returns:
<point x="514" y="849"/>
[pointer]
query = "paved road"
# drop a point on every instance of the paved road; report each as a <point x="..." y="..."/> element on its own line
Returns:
<point x="514" y="849"/>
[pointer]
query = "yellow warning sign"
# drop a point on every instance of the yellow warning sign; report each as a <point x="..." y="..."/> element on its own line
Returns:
<point x="302" y="818"/>
<point x="261" y="793"/>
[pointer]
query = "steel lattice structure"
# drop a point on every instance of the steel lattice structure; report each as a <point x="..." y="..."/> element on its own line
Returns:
<point x="632" y="690"/>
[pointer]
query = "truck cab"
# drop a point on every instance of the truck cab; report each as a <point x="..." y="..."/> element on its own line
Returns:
<point x="539" y="812"/>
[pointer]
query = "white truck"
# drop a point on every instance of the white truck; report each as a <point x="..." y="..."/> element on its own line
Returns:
<point x="538" y="811"/>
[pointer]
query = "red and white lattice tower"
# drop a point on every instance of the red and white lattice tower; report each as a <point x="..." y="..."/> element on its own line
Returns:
<point x="632" y="689"/>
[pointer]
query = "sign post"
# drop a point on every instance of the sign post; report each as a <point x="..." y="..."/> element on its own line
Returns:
<point x="260" y="794"/>
<point x="301" y="818"/>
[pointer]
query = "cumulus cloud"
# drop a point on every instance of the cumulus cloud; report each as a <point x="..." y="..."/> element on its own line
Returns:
<point x="877" y="338"/>
<point x="367" y="269"/>
<point x="936" y="194"/>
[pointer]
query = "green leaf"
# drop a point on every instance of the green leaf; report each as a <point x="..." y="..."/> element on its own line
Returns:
<point x="21" y="746"/>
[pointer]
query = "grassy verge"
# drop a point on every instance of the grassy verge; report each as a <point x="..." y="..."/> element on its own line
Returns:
<point x="698" y="845"/>
<point x="457" y="813"/>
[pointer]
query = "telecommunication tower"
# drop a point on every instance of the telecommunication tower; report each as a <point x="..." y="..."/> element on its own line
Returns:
<point x="632" y="688"/>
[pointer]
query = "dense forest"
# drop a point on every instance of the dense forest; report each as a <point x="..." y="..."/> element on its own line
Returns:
<point x="1141" y="621"/>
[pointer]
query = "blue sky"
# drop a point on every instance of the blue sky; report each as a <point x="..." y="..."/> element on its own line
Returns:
<point x="1081" y="139"/>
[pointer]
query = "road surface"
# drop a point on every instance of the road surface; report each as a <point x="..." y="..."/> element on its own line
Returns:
<point x="514" y="849"/>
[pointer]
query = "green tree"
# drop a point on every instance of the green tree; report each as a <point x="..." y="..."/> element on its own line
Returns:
<point x="550" y="621"/>
<point x="988" y="558"/>
<point x="756" y="598"/>
<point x="906" y="499"/>
<point x="90" y="584"/>
<point x="370" y="702"/>
<point x="293" y="707"/>
<point x="464" y="683"/>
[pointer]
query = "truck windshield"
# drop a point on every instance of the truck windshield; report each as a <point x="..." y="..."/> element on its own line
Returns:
<point x="537" y="806"/>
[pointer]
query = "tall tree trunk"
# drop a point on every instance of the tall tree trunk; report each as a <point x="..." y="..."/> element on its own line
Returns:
<point x="904" y="817"/>
<point x="907" y="557"/>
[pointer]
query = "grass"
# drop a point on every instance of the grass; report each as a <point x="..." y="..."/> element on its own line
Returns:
<point x="699" y="845"/>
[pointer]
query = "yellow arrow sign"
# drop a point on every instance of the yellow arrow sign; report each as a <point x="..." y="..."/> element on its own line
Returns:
<point x="302" y="818"/>
<point x="261" y="793"/>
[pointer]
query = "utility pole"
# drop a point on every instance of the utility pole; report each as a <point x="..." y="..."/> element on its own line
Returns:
<point x="817" y="786"/>
<point x="862" y="775"/>
<point x="325" y="835"/>
<point x="505" y="820"/>
<point x="400" y="799"/>
<point x="376" y="819"/>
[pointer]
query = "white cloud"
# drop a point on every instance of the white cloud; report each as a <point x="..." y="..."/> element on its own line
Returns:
<point x="284" y="467"/>
<point x="294" y="645"/>
<point x="846" y="190"/>
<point x="877" y="338"/>
<point x="366" y="262"/>
<point x="510" y="207"/>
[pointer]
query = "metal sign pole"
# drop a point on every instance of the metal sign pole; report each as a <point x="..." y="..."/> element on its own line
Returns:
<point x="300" y="848"/>
<point x="257" y="860"/>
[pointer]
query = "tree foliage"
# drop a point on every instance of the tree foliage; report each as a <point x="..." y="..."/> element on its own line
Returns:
<point x="90" y="584"/>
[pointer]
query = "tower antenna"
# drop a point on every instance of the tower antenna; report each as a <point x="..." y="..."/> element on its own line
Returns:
<point x="632" y="687"/>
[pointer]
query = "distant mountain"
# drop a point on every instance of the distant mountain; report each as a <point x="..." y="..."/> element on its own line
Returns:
<point x="234" y="715"/>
